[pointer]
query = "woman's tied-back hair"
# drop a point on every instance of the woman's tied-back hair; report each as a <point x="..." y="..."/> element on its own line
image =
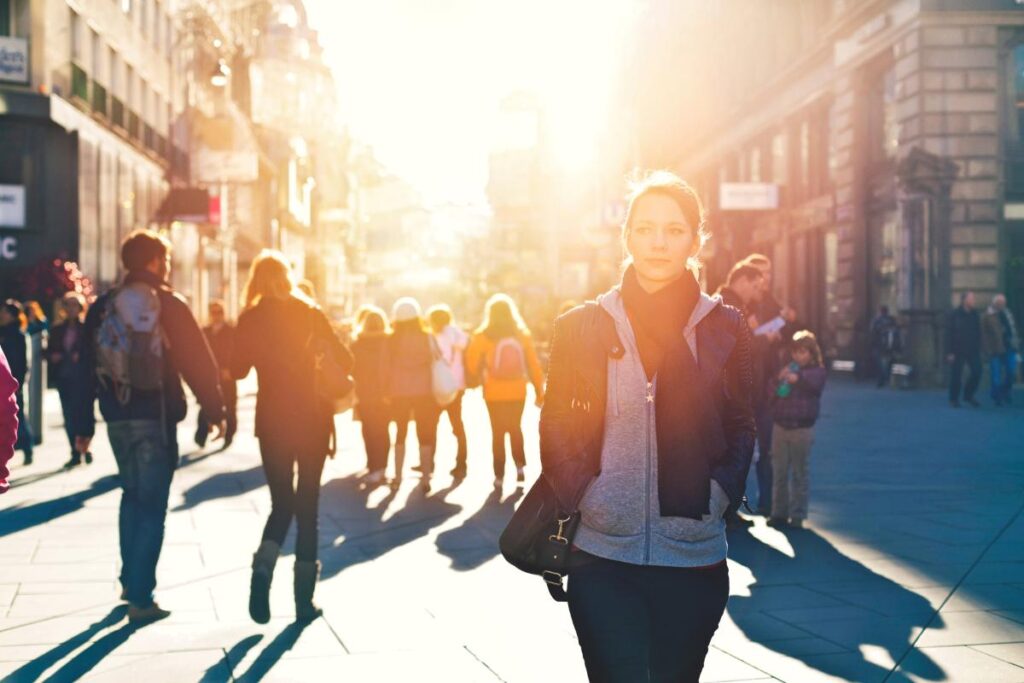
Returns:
<point x="502" y="318"/>
<point x="439" y="316"/>
<point x="270" y="276"/>
<point x="670" y="185"/>
<point x="373" y="322"/>
<point x="805" y="339"/>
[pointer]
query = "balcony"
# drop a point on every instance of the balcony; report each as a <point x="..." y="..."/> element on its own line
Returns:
<point x="117" y="113"/>
<point x="99" y="99"/>
<point x="149" y="137"/>
<point x="79" y="84"/>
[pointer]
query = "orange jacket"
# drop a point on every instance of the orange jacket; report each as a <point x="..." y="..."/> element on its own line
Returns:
<point x="479" y="355"/>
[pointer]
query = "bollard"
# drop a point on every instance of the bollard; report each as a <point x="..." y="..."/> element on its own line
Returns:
<point x="36" y="383"/>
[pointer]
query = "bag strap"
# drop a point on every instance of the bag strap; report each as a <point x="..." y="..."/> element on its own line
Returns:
<point x="555" y="583"/>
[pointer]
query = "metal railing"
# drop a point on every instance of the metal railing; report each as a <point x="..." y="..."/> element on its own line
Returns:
<point x="99" y="99"/>
<point x="79" y="83"/>
<point x="117" y="112"/>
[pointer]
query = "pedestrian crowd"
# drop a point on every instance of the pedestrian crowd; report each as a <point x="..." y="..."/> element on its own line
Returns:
<point x="657" y="399"/>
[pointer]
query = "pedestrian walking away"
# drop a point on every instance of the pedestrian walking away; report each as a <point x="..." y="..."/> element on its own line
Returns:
<point x="14" y="343"/>
<point x="371" y="371"/>
<point x="795" y="407"/>
<point x="648" y="431"/>
<point x="886" y="342"/>
<point x="963" y="348"/>
<point x="279" y="332"/>
<point x="410" y="357"/>
<point x="68" y="370"/>
<point x="143" y="400"/>
<point x="8" y="419"/>
<point x="1001" y="345"/>
<point x="503" y="356"/>
<point x="220" y="334"/>
<point x="451" y="344"/>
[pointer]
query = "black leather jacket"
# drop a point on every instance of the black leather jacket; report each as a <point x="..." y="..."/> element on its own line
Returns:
<point x="572" y="419"/>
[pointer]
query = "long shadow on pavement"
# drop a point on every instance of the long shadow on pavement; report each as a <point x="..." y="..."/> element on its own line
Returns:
<point x="221" y="671"/>
<point x="86" y="660"/>
<point x="272" y="653"/>
<point x="782" y="582"/>
<point x="222" y="485"/>
<point x="20" y="518"/>
<point x="366" y="536"/>
<point x="475" y="541"/>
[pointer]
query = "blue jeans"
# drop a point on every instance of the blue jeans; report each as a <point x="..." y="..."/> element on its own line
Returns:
<point x="1002" y="371"/>
<point x="146" y="457"/>
<point x="765" y="480"/>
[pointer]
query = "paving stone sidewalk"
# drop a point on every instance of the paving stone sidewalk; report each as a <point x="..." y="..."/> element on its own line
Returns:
<point x="912" y="567"/>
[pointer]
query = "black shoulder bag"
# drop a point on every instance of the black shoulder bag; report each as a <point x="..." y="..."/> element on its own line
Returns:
<point x="538" y="538"/>
<point x="332" y="386"/>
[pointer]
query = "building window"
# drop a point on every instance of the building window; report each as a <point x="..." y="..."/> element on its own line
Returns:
<point x="805" y="156"/>
<point x="77" y="49"/>
<point x="1015" y="120"/>
<point x="126" y="6"/>
<point x="883" y="122"/>
<point x="780" y="171"/>
<point x="755" y="165"/>
<point x="5" y="18"/>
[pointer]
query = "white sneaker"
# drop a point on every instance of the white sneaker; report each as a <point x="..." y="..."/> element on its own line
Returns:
<point x="374" y="478"/>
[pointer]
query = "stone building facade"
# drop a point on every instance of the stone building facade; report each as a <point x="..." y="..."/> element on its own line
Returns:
<point x="892" y="135"/>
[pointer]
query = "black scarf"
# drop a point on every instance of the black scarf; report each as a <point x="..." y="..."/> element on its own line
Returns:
<point x="658" y="321"/>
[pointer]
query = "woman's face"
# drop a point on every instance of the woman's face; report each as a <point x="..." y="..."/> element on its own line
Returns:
<point x="660" y="240"/>
<point x="72" y="308"/>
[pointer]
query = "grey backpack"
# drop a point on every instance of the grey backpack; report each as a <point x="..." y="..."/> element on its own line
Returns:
<point x="130" y="342"/>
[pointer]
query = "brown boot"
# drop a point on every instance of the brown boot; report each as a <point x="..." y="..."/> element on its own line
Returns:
<point x="306" y="575"/>
<point x="263" y="562"/>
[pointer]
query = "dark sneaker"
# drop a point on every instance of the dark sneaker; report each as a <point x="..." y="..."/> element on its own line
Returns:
<point x="777" y="523"/>
<point x="88" y="457"/>
<point x="734" y="521"/>
<point x="74" y="461"/>
<point x="796" y="523"/>
<point x="146" y="615"/>
<point x="417" y="468"/>
<point x="28" y="459"/>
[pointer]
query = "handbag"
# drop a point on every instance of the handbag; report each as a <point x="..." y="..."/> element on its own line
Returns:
<point x="442" y="379"/>
<point x="538" y="538"/>
<point x="332" y="386"/>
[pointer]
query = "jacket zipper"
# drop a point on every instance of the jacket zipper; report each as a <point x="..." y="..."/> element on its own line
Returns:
<point x="647" y="479"/>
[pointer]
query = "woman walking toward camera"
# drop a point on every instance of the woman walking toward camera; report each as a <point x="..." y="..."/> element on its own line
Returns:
<point x="370" y="371"/>
<point x="278" y="333"/>
<point x="502" y="354"/>
<point x="795" y="407"/>
<point x="648" y="432"/>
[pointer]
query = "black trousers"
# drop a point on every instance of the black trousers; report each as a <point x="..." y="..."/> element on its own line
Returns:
<point x="291" y="497"/>
<point x="641" y="623"/>
<point x="973" y="364"/>
<point x="375" y="418"/>
<point x="454" y="410"/>
<point x="506" y="418"/>
<point x="421" y="409"/>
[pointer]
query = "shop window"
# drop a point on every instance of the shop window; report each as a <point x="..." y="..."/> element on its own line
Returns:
<point x="5" y="18"/>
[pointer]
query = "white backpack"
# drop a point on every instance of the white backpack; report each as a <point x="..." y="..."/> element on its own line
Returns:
<point x="442" y="378"/>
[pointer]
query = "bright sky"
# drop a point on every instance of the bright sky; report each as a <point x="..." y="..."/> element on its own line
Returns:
<point x="420" y="80"/>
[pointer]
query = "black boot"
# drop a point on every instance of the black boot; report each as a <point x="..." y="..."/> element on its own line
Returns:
<point x="263" y="562"/>
<point x="306" y="575"/>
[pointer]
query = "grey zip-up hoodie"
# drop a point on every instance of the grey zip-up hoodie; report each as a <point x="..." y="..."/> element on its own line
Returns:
<point x="620" y="511"/>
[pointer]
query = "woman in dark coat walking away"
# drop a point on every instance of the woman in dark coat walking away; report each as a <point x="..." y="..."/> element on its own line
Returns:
<point x="647" y="430"/>
<point x="409" y="385"/>
<point x="370" y="371"/>
<point x="14" y="343"/>
<point x="294" y="428"/>
<point x="65" y="355"/>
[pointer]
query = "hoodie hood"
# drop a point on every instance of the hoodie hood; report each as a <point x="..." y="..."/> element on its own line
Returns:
<point x="611" y="301"/>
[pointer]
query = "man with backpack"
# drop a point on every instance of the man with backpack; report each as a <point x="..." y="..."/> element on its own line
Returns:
<point x="142" y="340"/>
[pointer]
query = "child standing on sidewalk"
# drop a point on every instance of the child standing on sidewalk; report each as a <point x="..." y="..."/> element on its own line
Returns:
<point x="795" y="410"/>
